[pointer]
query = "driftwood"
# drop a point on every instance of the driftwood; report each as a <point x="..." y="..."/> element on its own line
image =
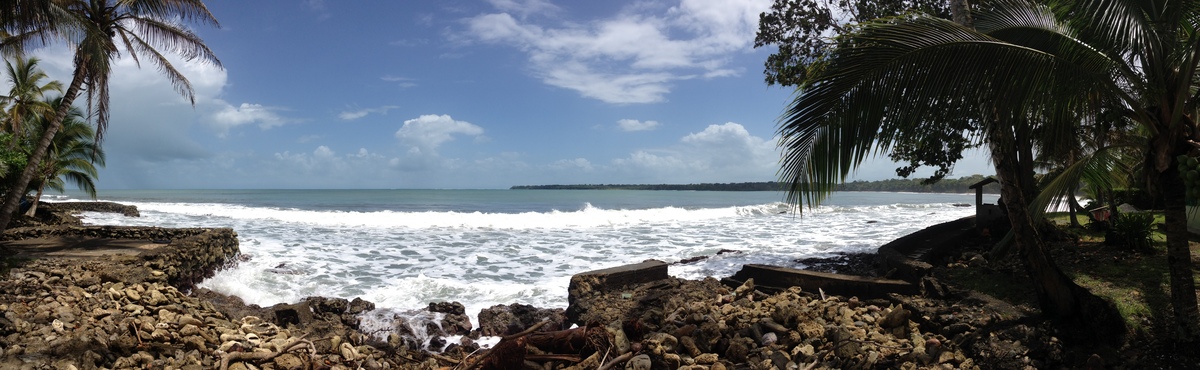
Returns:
<point x="567" y="358"/>
<point x="511" y="347"/>
<point x="563" y="345"/>
<point x="617" y="361"/>
<point x="299" y="342"/>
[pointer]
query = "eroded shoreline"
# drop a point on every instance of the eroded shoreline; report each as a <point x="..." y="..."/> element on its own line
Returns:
<point x="130" y="311"/>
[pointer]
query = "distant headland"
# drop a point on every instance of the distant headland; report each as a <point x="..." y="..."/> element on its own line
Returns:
<point x="959" y="185"/>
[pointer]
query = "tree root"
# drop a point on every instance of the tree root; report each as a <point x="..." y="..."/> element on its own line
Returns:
<point x="296" y="343"/>
<point x="617" y="361"/>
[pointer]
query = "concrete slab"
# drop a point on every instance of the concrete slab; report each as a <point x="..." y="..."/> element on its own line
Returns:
<point x="75" y="247"/>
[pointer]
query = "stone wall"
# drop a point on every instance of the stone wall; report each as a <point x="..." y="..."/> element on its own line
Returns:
<point x="908" y="257"/>
<point x="189" y="256"/>
<point x="107" y="207"/>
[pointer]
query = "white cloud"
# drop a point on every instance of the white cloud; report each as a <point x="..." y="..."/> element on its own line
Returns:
<point x="317" y="6"/>
<point x="404" y="82"/>
<point x="632" y="57"/>
<point x="353" y="115"/>
<point x="525" y="8"/>
<point x="719" y="153"/>
<point x="636" y="125"/>
<point x="228" y="116"/>
<point x="577" y="163"/>
<point x="426" y="133"/>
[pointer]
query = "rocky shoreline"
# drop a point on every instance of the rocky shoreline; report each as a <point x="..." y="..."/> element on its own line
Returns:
<point x="122" y="312"/>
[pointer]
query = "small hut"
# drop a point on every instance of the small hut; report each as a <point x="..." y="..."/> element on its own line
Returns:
<point x="985" y="214"/>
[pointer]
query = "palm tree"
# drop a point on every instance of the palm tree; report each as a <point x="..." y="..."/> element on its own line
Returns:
<point x="73" y="157"/>
<point x="1025" y="68"/>
<point x="1096" y="158"/>
<point x="27" y="96"/>
<point x="99" y="30"/>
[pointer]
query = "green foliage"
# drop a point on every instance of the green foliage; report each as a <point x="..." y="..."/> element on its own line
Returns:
<point x="1132" y="230"/>
<point x="959" y="185"/>
<point x="12" y="162"/>
<point x="743" y="186"/>
<point x="800" y="29"/>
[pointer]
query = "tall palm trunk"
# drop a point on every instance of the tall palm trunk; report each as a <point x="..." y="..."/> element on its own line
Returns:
<point x="1179" y="255"/>
<point x="1052" y="287"/>
<point x="37" y="199"/>
<point x="1058" y="296"/>
<point x="13" y="199"/>
<point x="1073" y="207"/>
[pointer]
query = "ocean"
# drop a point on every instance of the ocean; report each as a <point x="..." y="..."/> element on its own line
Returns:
<point x="403" y="249"/>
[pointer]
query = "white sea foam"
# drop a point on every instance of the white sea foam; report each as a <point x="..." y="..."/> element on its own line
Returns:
<point x="402" y="260"/>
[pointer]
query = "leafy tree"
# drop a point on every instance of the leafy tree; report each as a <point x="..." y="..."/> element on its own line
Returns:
<point x="803" y="30"/>
<point x="73" y="157"/>
<point x="98" y="31"/>
<point x="27" y="96"/>
<point x="1022" y="71"/>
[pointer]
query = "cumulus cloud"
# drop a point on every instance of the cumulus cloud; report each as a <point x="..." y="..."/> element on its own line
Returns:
<point x="426" y="133"/>
<point x="356" y="114"/>
<point x="577" y="163"/>
<point x="525" y="8"/>
<point x="228" y="116"/>
<point x="726" y="150"/>
<point x="636" y="125"/>
<point x="632" y="57"/>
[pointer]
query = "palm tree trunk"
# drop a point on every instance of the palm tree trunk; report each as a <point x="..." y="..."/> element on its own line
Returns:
<point x="13" y="199"/>
<point x="960" y="12"/>
<point x="1073" y="207"/>
<point x="1052" y="287"/>
<point x="1179" y="255"/>
<point x="33" y="207"/>
<point x="1089" y="318"/>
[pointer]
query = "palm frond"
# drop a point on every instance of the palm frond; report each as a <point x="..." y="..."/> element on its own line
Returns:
<point x="892" y="77"/>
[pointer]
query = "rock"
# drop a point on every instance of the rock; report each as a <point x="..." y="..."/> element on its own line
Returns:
<point x="453" y="308"/>
<point x="288" y="361"/>
<point x="348" y="352"/>
<point x="358" y="305"/>
<point x="707" y="359"/>
<point x="336" y="306"/>
<point x="455" y="321"/>
<point x="894" y="318"/>
<point x="768" y="339"/>
<point x="503" y="320"/>
<point x="639" y="362"/>
<point x="293" y="314"/>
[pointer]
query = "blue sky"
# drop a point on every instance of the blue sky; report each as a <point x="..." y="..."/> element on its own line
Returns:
<point x="456" y="94"/>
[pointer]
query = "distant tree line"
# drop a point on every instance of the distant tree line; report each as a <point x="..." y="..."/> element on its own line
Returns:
<point x="960" y="185"/>
<point x="743" y="186"/>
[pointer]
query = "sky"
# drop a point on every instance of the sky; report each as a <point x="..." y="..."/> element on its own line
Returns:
<point x="317" y="94"/>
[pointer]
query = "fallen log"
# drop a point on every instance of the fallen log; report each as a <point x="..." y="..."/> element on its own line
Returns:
<point x="779" y="278"/>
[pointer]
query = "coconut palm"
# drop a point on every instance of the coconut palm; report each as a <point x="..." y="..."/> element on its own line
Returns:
<point x="99" y="31"/>
<point x="1025" y="68"/>
<point x="73" y="157"/>
<point x="27" y="96"/>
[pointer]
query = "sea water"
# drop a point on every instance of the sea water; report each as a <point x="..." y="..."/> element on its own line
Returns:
<point x="403" y="249"/>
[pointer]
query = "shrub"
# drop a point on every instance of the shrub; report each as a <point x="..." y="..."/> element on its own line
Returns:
<point x="1131" y="230"/>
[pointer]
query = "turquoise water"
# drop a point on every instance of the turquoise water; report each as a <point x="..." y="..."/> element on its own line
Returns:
<point x="405" y="248"/>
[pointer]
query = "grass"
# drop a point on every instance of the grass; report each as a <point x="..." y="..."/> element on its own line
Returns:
<point x="1138" y="283"/>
